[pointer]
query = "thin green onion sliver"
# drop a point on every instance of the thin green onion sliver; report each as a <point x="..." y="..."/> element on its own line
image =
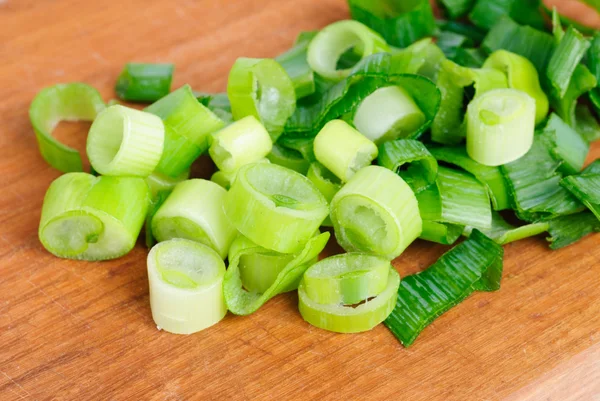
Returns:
<point x="62" y="102"/>
<point x="186" y="286"/>
<point x="289" y="158"/>
<point x="93" y="218"/>
<point x="295" y="63"/>
<point x="504" y="233"/>
<point x="326" y="182"/>
<point x="158" y="182"/>
<point x="586" y="187"/>
<point x="566" y="230"/>
<point x="565" y="144"/>
<point x="125" y="142"/>
<point x="441" y="233"/>
<point x="142" y="82"/>
<point x="567" y="55"/>
<point x="376" y="212"/>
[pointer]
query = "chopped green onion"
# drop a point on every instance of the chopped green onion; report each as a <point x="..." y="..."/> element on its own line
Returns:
<point x="566" y="145"/>
<point x="399" y="22"/>
<point x="522" y="76"/>
<point x="376" y="212"/>
<point x="504" y="233"/>
<point x="450" y="42"/>
<point x="500" y="126"/>
<point x="331" y="42"/>
<point x="194" y="211"/>
<point x="566" y="57"/>
<point x="261" y="88"/>
<point x="343" y="150"/>
<point x="294" y="62"/>
<point x="387" y="114"/>
<point x="587" y="124"/>
<point x="62" y="102"/>
<point x="534" y="45"/>
<point x="326" y="182"/>
<point x="125" y="141"/>
<point x="472" y="32"/>
<point x="243" y="142"/>
<point x="305" y="146"/>
<point x="442" y="233"/>
<point x="139" y="82"/>
<point x="93" y="218"/>
<point x="186" y="291"/>
<point x="242" y="302"/>
<point x="289" y="158"/>
<point x="266" y="200"/>
<point x="156" y="201"/>
<point x="349" y="318"/>
<point x="471" y="58"/>
<point x="158" y="182"/>
<point x="456" y="198"/>
<point x="534" y="185"/>
<point x="566" y="230"/>
<point x="490" y="177"/>
<point x="411" y="160"/>
<point x="218" y="103"/>
<point x="527" y="12"/>
<point x="473" y="265"/>
<point x="188" y="125"/>
<point x="422" y="57"/>
<point x="581" y="82"/>
<point x="586" y="187"/>
<point x="457" y="8"/>
<point x="225" y="179"/>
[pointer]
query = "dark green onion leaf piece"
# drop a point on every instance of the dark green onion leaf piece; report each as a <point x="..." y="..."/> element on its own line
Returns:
<point x="473" y="265"/>
<point x="457" y="8"/>
<point x="142" y="82"/>
<point x="586" y="187"/>
<point x="566" y="145"/>
<point x="411" y="160"/>
<point x="504" y="233"/>
<point x="526" y="12"/>
<point x="567" y="230"/>
<point x="294" y="62"/>
<point x="566" y="57"/>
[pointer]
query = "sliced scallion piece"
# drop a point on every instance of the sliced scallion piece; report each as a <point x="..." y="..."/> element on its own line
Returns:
<point x="457" y="8"/>
<point x="567" y="55"/>
<point x="186" y="290"/>
<point x="566" y="230"/>
<point x="326" y="182"/>
<point x="343" y="150"/>
<point x="527" y="12"/>
<point x="93" y="218"/>
<point x="243" y="142"/>
<point x="422" y="57"/>
<point x="376" y="212"/>
<point x="125" y="141"/>
<point x="303" y="145"/>
<point x="158" y="182"/>
<point x="348" y="318"/>
<point x="475" y="264"/>
<point x="581" y="82"/>
<point x="471" y="57"/>
<point x="587" y="124"/>
<point x="442" y="233"/>
<point x="194" y="210"/>
<point x="225" y="179"/>
<point x="243" y="302"/>
<point x="504" y="233"/>
<point x="411" y="160"/>
<point x="143" y="82"/>
<point x="586" y="187"/>
<point x="500" y="126"/>
<point x="261" y="88"/>
<point x="188" y="125"/>
<point x="156" y="201"/>
<point x="289" y="158"/>
<point x="566" y="145"/>
<point x="62" y="102"/>
<point x="294" y="62"/>
<point x="275" y="207"/>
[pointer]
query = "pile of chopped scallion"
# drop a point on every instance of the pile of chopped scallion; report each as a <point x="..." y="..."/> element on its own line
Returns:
<point x="389" y="127"/>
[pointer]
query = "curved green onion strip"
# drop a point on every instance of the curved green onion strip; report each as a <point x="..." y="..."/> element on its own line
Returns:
<point x="93" y="218"/>
<point x="261" y="88"/>
<point x="586" y="187"/>
<point x="504" y="233"/>
<point x="486" y="13"/>
<point x="473" y="265"/>
<point x="188" y="125"/>
<point x="566" y="230"/>
<point x="303" y="145"/>
<point x="450" y="42"/>
<point x="156" y="201"/>
<point x="62" y="102"/>
<point x="534" y="185"/>
<point x="346" y="279"/>
<point x="448" y="125"/>
<point x="456" y="198"/>
<point x="350" y="319"/>
<point x="376" y="212"/>
<point x="194" y="211"/>
<point x="490" y="177"/>
<point x="140" y="82"/>
<point x="500" y="126"/>
<point x="522" y="76"/>
<point x="387" y="114"/>
<point x="475" y="34"/>
<point x="158" y="182"/>
<point x="587" y="124"/>
<point x="242" y="302"/>
<point x="225" y="179"/>
<point x="399" y="22"/>
<point x="326" y="48"/>
<point x="289" y="158"/>
<point x="441" y="233"/>
<point x="295" y="63"/>
<point x="470" y="57"/>
<point x="565" y="144"/>
<point x="343" y="150"/>
<point x="422" y="57"/>
<point x="411" y="160"/>
<point x="125" y="141"/>
<point x="566" y="57"/>
<point x="326" y="182"/>
<point x="259" y="269"/>
<point x="277" y="208"/>
<point x="581" y="82"/>
<point x="186" y="291"/>
<point x="242" y="142"/>
<point x="218" y="103"/>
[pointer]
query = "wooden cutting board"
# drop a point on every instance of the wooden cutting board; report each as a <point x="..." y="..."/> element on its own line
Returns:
<point x="76" y="330"/>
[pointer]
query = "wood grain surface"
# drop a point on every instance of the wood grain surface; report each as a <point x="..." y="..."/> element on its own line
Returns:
<point x="78" y="331"/>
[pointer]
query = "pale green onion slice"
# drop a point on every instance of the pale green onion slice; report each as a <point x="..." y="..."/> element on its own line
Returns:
<point x="326" y="182"/>
<point x="125" y="141"/>
<point x="289" y="158"/>
<point x="566" y="145"/>
<point x="376" y="212"/>
<point x="331" y="42"/>
<point x="158" y="182"/>
<point x="442" y="233"/>
<point x="387" y="114"/>
<point x="261" y="88"/>
<point x="225" y="179"/>
<point x="186" y="286"/>
<point x="243" y="142"/>
<point x="346" y="279"/>
<point x="350" y="319"/>
<point x="246" y="301"/>
<point x="522" y="76"/>
<point x="500" y="126"/>
<point x="504" y="233"/>
<point x="62" y="102"/>
<point x="194" y="211"/>
<point x="277" y="208"/>
<point x="188" y="127"/>
<point x="93" y="218"/>
<point x="343" y="150"/>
